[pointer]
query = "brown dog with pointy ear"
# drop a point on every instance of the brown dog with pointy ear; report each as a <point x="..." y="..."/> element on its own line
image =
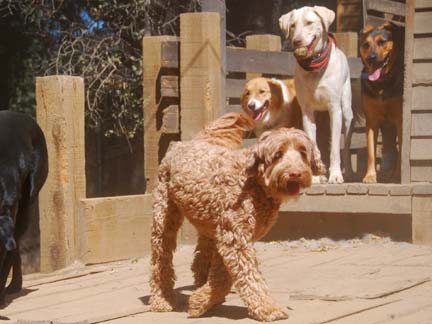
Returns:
<point x="271" y="103"/>
<point x="382" y="53"/>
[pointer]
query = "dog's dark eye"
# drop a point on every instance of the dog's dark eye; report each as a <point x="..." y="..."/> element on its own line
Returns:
<point x="365" y="46"/>
<point x="308" y="23"/>
<point x="262" y="91"/>
<point x="278" y="155"/>
<point x="292" y="26"/>
<point x="303" y="152"/>
<point x="246" y="93"/>
<point x="382" y="42"/>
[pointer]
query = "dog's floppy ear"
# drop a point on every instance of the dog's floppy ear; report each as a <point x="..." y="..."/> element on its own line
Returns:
<point x="285" y="23"/>
<point x="256" y="159"/>
<point x="327" y="15"/>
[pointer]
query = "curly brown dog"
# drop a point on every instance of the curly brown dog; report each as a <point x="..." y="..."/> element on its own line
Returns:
<point x="232" y="196"/>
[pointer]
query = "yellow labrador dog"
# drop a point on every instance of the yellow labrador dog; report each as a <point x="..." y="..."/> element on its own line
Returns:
<point x="322" y="78"/>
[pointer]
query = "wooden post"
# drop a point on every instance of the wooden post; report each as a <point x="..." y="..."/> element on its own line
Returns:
<point x="407" y="94"/>
<point x="152" y="132"/>
<point x="200" y="71"/>
<point x="263" y="43"/>
<point x="60" y="114"/>
<point x="422" y="214"/>
<point x="219" y="6"/>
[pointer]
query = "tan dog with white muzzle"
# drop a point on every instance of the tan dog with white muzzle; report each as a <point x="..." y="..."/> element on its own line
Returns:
<point x="322" y="78"/>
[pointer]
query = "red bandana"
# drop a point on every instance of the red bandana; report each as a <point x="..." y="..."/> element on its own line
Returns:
<point x="318" y="62"/>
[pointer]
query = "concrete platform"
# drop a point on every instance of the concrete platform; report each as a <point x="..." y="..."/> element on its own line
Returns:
<point x="372" y="280"/>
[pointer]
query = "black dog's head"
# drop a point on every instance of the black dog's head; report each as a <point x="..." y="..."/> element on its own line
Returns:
<point x="7" y="233"/>
<point x="378" y="49"/>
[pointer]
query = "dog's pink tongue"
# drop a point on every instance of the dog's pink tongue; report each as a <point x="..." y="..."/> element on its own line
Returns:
<point x="257" y="115"/>
<point x="375" y="75"/>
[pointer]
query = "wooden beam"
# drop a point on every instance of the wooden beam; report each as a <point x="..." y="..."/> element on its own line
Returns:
<point x="271" y="43"/>
<point x="386" y="6"/>
<point x="423" y="4"/>
<point x="348" y="43"/>
<point x="355" y="203"/>
<point x="407" y="94"/>
<point x="200" y="71"/>
<point x="60" y="114"/>
<point x="421" y="125"/>
<point x="277" y="63"/>
<point x="421" y="149"/>
<point x="422" y="219"/>
<point x="422" y="22"/>
<point x="219" y="7"/>
<point x="152" y="64"/>
<point x="115" y="228"/>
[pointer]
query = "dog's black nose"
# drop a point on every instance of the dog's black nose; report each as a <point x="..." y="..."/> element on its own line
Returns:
<point x="297" y="42"/>
<point x="251" y="105"/>
<point x="372" y="57"/>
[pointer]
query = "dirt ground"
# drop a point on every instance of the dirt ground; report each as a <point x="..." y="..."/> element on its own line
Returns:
<point x="367" y="281"/>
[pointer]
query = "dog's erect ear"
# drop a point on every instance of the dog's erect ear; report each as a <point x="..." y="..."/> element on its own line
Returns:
<point x="317" y="165"/>
<point x="327" y="15"/>
<point x="285" y="23"/>
<point x="366" y="29"/>
<point x="278" y="88"/>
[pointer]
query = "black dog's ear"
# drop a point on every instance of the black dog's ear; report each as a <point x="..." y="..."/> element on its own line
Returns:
<point x="7" y="233"/>
<point x="366" y="29"/>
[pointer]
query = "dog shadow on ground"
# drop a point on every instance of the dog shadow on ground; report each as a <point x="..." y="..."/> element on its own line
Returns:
<point x="10" y="298"/>
<point x="224" y="311"/>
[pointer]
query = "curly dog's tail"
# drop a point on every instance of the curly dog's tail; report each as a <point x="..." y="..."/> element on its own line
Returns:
<point x="227" y="131"/>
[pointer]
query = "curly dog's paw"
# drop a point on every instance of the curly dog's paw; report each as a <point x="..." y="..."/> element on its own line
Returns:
<point x="269" y="313"/>
<point x="160" y="304"/>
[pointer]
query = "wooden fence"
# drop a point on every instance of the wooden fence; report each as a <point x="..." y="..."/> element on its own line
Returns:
<point x="185" y="86"/>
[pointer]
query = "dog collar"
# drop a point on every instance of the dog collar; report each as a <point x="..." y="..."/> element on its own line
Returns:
<point x="319" y="61"/>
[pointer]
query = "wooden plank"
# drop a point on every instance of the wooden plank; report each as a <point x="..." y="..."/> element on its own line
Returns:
<point x="423" y="48"/>
<point x="422" y="72"/>
<point x="171" y="120"/>
<point x="386" y="6"/>
<point x="376" y="21"/>
<point x="277" y="63"/>
<point x="407" y="94"/>
<point x="246" y="60"/>
<point x="169" y="86"/>
<point x="421" y="149"/>
<point x="422" y="22"/>
<point x="348" y="43"/>
<point x="234" y="87"/>
<point x="200" y="71"/>
<point x="423" y="4"/>
<point x="115" y="228"/>
<point x="421" y="173"/>
<point x="152" y="64"/>
<point x="234" y="108"/>
<point x="421" y="98"/>
<point x="350" y="204"/>
<point x="421" y="124"/>
<point x="422" y="219"/>
<point x="270" y="43"/>
<point x="170" y="54"/>
<point x="60" y="114"/>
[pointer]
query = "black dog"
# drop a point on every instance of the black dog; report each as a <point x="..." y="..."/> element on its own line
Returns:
<point x="23" y="171"/>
